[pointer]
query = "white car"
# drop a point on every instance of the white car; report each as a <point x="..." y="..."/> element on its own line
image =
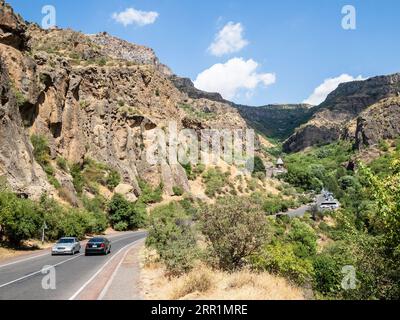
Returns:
<point x="69" y="245"/>
<point x="329" y="205"/>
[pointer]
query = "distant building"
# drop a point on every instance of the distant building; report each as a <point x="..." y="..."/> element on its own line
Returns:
<point x="277" y="169"/>
<point x="279" y="163"/>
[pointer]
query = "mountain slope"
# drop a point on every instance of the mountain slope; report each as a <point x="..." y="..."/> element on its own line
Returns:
<point x="90" y="97"/>
<point x="333" y="117"/>
<point x="276" y="121"/>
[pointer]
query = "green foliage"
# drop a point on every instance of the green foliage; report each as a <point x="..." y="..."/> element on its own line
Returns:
<point x="384" y="145"/>
<point x="235" y="228"/>
<point x="62" y="164"/>
<point x="20" y="98"/>
<point x="150" y="195"/>
<point x="121" y="226"/>
<point x="41" y="150"/>
<point x="102" y="62"/>
<point x="113" y="179"/>
<point x="77" y="178"/>
<point x="178" y="191"/>
<point x="22" y="219"/>
<point x="259" y="166"/>
<point x="280" y="258"/>
<point x="214" y="180"/>
<point x="122" y="211"/>
<point x="171" y="234"/>
<point x="318" y="167"/>
<point x="18" y="218"/>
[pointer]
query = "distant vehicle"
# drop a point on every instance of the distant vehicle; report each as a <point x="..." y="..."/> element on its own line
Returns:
<point x="98" y="245"/>
<point x="68" y="245"/>
<point x="329" y="205"/>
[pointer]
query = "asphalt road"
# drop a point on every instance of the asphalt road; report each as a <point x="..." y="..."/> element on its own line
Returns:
<point x="22" y="279"/>
<point x="300" y="212"/>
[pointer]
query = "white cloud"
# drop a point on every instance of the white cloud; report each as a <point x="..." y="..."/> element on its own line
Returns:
<point x="133" y="16"/>
<point x="233" y="76"/>
<point x="320" y="93"/>
<point x="228" y="40"/>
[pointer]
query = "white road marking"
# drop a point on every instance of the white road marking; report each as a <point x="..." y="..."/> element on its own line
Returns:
<point x="37" y="272"/>
<point x="45" y="254"/>
<point x="23" y="260"/>
<point x="110" y="281"/>
<point x="58" y="264"/>
<point x="73" y="297"/>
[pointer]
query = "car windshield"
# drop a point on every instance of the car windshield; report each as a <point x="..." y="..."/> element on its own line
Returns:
<point x="66" y="241"/>
<point x="96" y="240"/>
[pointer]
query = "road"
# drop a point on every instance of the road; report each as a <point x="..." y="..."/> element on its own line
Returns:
<point x="22" y="279"/>
<point x="300" y="212"/>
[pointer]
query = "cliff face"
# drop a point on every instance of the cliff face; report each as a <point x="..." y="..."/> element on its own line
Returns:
<point x="276" y="121"/>
<point x="95" y="97"/>
<point x="379" y="122"/>
<point x="333" y="117"/>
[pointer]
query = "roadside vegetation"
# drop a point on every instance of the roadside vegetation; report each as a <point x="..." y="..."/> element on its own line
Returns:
<point x="236" y="233"/>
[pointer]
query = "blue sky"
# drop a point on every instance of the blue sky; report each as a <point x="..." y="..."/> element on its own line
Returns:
<point x="300" y="43"/>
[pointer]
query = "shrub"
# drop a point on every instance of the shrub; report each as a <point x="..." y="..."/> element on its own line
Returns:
<point x="150" y="195"/>
<point x="19" y="218"/>
<point x="102" y="62"/>
<point x="41" y="150"/>
<point x="383" y="145"/>
<point x="280" y="258"/>
<point x="113" y="179"/>
<point x="235" y="228"/>
<point x="171" y="235"/>
<point x="304" y="237"/>
<point x="258" y="165"/>
<point x="178" y="191"/>
<point x="62" y="164"/>
<point x="121" y="226"/>
<point x="121" y="210"/>
<point x="77" y="178"/>
<point x="214" y="180"/>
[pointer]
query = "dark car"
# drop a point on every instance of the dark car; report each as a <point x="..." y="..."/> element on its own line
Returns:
<point x="98" y="245"/>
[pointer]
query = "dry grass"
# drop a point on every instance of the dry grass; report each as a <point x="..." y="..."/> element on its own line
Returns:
<point x="206" y="284"/>
<point x="28" y="247"/>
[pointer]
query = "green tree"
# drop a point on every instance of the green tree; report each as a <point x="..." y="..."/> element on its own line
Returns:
<point x="235" y="228"/>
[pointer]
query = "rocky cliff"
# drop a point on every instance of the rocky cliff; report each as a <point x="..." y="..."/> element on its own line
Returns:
<point x="276" y="121"/>
<point x="379" y="122"/>
<point x="334" y="117"/>
<point x="90" y="96"/>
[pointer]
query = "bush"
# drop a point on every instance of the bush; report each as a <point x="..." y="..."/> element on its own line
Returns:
<point x="62" y="164"/>
<point x="280" y="258"/>
<point x="113" y="179"/>
<point x="178" y="191"/>
<point x="150" y="195"/>
<point x="235" y="228"/>
<point x="19" y="218"/>
<point x="304" y="237"/>
<point x="41" y="150"/>
<point x="259" y="166"/>
<point x="171" y="235"/>
<point x="121" y="226"/>
<point x="77" y="178"/>
<point x="214" y="180"/>
<point x="121" y="210"/>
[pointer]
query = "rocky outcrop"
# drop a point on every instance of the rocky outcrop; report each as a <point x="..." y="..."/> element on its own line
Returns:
<point x="379" y="122"/>
<point x="12" y="27"/>
<point x="94" y="97"/>
<point x="342" y="106"/>
<point x="186" y="85"/>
